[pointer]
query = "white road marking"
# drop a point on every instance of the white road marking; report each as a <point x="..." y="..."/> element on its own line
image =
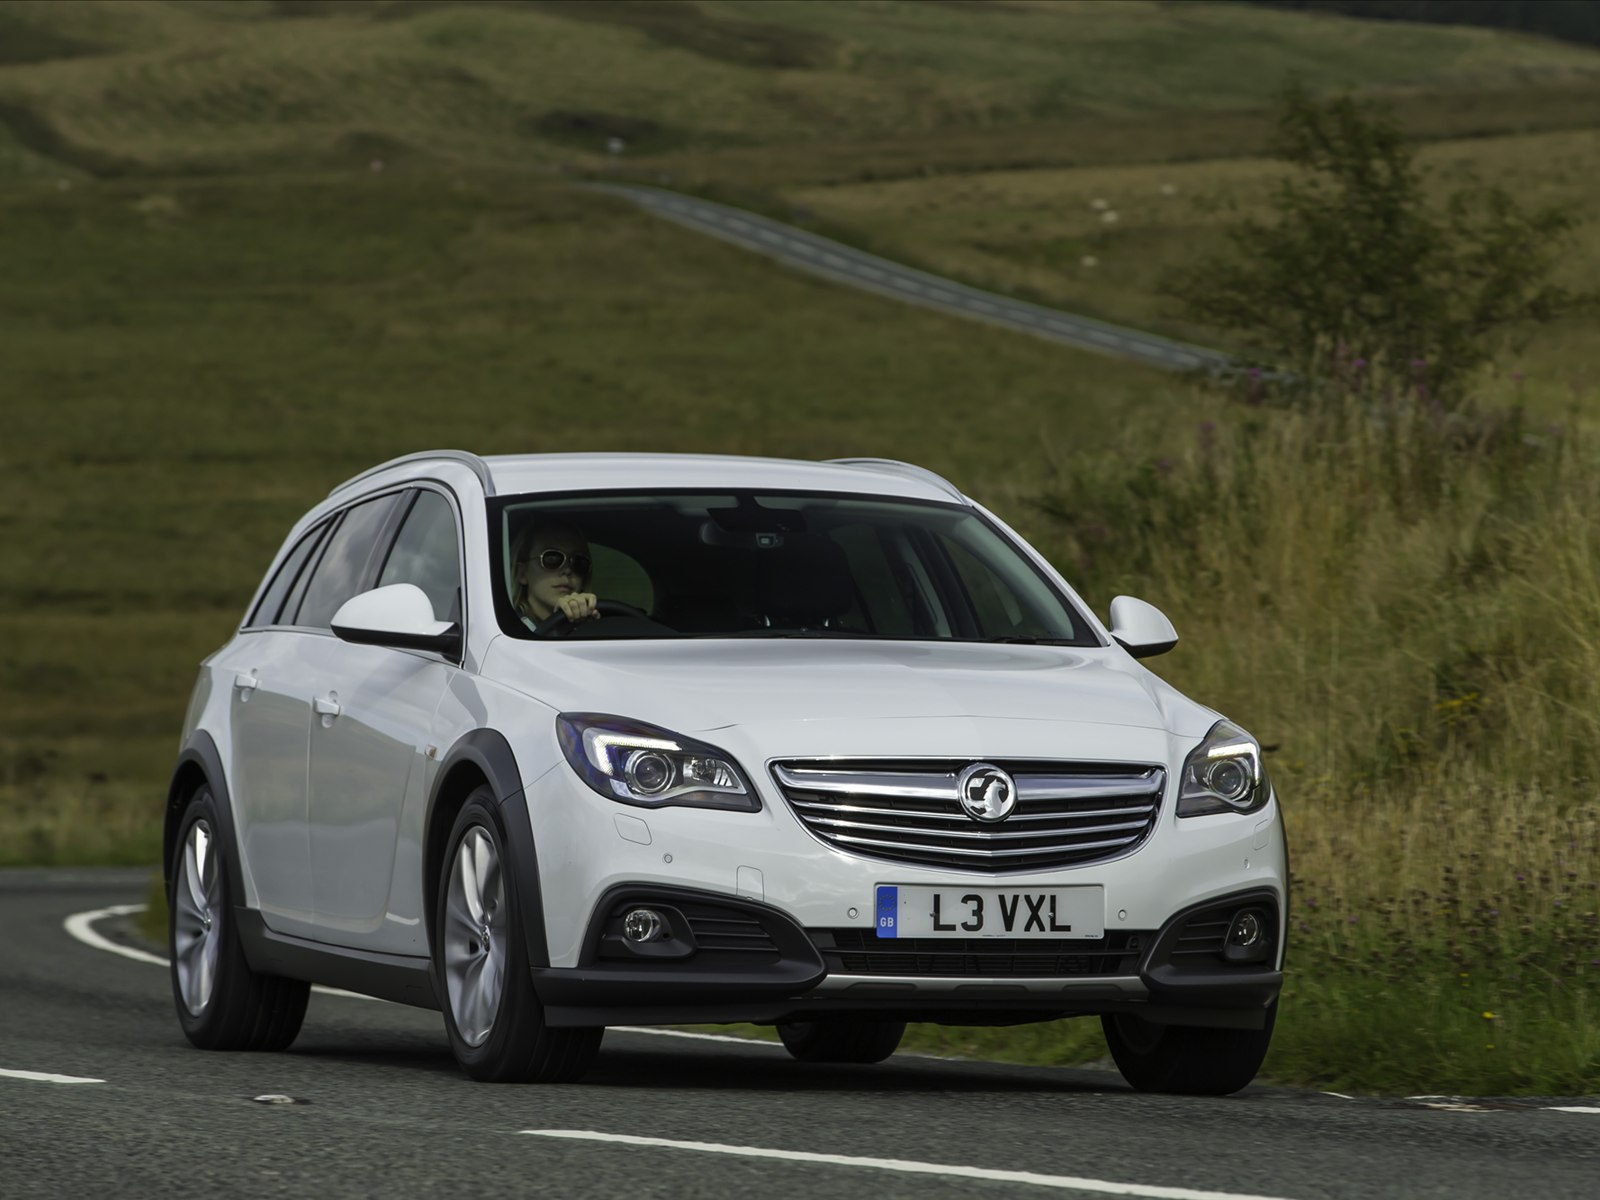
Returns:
<point x="905" y="1166"/>
<point x="81" y="926"/>
<point x="46" y="1077"/>
<point x="1577" y="1108"/>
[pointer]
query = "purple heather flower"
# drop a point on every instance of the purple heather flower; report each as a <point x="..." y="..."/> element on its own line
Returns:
<point x="1417" y="363"/>
<point x="1516" y="377"/>
<point x="1359" y="363"/>
<point x="1254" y="372"/>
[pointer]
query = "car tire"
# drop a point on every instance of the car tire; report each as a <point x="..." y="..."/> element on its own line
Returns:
<point x="222" y="1003"/>
<point x="1184" y="1059"/>
<point x="841" y="1040"/>
<point x="491" y="1013"/>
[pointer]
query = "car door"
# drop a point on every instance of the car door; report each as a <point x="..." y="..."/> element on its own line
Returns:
<point x="370" y="734"/>
<point x="269" y="716"/>
<point x="274" y="674"/>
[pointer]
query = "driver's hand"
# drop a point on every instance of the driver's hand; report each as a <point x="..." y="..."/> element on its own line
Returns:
<point x="579" y="606"/>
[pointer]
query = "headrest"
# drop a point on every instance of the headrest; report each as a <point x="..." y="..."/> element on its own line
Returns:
<point x="804" y="581"/>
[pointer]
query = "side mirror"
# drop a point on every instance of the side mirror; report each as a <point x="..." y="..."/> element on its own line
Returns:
<point x="1142" y="629"/>
<point x="399" y="615"/>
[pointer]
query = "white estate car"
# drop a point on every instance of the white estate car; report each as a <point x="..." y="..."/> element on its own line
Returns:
<point x="841" y="751"/>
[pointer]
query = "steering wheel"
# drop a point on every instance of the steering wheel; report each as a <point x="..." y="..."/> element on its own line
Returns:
<point x="606" y="608"/>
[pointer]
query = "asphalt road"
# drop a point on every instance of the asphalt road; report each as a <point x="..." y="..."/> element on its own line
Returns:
<point x="381" y="1110"/>
<point x="856" y="268"/>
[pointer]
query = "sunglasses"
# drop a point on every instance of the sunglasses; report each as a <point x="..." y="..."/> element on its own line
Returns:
<point x="554" y="560"/>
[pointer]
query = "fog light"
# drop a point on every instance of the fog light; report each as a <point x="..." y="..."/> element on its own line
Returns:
<point x="1247" y="930"/>
<point x="644" y="925"/>
<point x="1250" y="937"/>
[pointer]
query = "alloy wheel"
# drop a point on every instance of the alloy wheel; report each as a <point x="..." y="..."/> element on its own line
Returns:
<point x="475" y="936"/>
<point x="197" y="918"/>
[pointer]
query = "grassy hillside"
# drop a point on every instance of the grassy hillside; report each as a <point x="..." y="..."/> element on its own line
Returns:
<point x="1101" y="240"/>
<point x="145" y="85"/>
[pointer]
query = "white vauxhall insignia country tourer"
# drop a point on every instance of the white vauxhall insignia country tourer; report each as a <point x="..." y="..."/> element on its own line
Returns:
<point x="556" y="742"/>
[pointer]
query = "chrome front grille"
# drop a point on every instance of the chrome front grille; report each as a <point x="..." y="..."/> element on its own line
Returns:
<point x="1067" y="814"/>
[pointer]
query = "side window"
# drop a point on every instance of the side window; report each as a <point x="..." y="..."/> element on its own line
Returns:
<point x="342" y="568"/>
<point x="266" y="612"/>
<point x="427" y="552"/>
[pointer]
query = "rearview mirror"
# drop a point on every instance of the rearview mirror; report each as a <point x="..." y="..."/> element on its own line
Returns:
<point x="399" y="615"/>
<point x="1142" y="629"/>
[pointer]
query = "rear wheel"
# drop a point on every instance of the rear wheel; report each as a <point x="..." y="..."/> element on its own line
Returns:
<point x="222" y="1004"/>
<point x="1184" y="1059"/>
<point x="841" y="1040"/>
<point x="491" y="1014"/>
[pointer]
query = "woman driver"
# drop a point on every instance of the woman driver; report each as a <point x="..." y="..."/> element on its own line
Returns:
<point x="550" y="568"/>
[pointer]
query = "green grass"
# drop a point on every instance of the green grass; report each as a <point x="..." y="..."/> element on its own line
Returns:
<point x="149" y="86"/>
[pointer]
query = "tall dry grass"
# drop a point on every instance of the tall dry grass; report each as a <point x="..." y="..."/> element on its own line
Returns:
<point x="1403" y="603"/>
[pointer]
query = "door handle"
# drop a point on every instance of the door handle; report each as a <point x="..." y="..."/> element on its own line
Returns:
<point x="327" y="706"/>
<point x="246" y="683"/>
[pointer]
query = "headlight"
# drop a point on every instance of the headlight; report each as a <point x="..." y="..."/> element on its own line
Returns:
<point x="1224" y="774"/>
<point x="635" y="763"/>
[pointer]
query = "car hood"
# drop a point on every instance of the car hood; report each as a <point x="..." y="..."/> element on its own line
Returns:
<point x="700" y="685"/>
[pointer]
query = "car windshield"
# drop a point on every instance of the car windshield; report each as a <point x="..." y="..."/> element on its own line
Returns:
<point x="755" y="565"/>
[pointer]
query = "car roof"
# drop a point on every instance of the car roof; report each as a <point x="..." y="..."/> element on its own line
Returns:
<point x="512" y="474"/>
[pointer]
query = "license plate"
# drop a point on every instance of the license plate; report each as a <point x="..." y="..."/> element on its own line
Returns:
<point x="986" y="912"/>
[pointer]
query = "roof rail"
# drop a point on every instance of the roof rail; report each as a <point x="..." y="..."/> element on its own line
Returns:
<point x="894" y="466"/>
<point x="465" y="458"/>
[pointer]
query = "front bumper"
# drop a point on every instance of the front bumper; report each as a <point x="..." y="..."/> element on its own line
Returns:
<point x="781" y="972"/>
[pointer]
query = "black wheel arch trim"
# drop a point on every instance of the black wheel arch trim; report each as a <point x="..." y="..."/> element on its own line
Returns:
<point x="200" y="753"/>
<point x="490" y="754"/>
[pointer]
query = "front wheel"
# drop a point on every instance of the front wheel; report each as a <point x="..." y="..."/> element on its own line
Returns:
<point x="492" y="1016"/>
<point x="841" y="1040"/>
<point x="222" y="1003"/>
<point x="1185" y="1059"/>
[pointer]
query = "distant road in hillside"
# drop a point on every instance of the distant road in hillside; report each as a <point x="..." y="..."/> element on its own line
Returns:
<point x="845" y="264"/>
